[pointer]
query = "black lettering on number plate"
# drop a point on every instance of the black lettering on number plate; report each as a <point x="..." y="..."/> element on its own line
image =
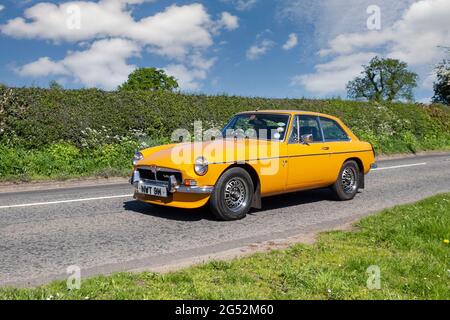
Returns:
<point x="153" y="191"/>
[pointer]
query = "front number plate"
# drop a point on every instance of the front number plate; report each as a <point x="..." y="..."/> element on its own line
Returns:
<point x="151" y="190"/>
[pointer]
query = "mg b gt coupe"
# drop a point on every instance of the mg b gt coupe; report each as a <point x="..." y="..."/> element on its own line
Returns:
<point x="257" y="154"/>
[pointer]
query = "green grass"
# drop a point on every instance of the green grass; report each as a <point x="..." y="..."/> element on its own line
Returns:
<point x="405" y="242"/>
<point x="62" y="162"/>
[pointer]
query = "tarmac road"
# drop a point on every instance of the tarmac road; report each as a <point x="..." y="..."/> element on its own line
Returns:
<point x="102" y="229"/>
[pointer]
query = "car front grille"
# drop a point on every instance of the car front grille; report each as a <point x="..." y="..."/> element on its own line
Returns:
<point x="159" y="174"/>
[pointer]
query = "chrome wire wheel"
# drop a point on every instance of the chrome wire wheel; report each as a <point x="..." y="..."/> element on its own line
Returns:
<point x="349" y="180"/>
<point x="236" y="194"/>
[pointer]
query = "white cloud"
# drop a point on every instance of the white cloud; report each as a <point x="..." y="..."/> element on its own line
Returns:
<point x="180" y="33"/>
<point x="42" y="67"/>
<point x="190" y="77"/>
<point x="228" y="21"/>
<point x="414" y="38"/>
<point x="242" y="5"/>
<point x="102" y="65"/>
<point x="291" y="42"/>
<point x="199" y="62"/>
<point x="171" y="32"/>
<point x="2" y="7"/>
<point x="187" y="78"/>
<point x="428" y="82"/>
<point x="332" y="77"/>
<point x="259" y="49"/>
<point x="331" y="18"/>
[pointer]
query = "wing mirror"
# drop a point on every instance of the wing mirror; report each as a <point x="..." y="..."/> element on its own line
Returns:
<point x="307" y="138"/>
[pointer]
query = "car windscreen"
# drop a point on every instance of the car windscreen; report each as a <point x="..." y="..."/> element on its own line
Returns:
<point x="258" y="126"/>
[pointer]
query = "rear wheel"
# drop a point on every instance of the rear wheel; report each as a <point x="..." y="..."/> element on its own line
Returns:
<point x="347" y="185"/>
<point x="233" y="195"/>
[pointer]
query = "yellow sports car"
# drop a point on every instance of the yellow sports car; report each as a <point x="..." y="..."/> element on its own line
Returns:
<point x="257" y="154"/>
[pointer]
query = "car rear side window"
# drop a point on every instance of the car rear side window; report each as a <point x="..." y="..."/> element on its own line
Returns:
<point x="332" y="131"/>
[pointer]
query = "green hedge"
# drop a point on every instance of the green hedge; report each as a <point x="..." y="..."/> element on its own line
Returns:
<point x="71" y="133"/>
<point x="33" y="118"/>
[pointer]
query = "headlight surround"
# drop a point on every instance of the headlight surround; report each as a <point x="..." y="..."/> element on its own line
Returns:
<point x="137" y="157"/>
<point x="201" y="166"/>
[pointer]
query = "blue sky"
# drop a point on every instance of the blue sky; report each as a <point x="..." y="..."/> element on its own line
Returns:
<point x="283" y="48"/>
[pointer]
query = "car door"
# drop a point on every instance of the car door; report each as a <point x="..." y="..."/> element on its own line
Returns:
<point x="339" y="142"/>
<point x="308" y="163"/>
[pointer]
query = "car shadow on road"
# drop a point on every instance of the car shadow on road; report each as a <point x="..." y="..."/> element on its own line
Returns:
<point x="167" y="212"/>
<point x="269" y="203"/>
<point x="295" y="199"/>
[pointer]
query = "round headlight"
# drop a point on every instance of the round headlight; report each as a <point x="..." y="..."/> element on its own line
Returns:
<point x="201" y="166"/>
<point x="137" y="157"/>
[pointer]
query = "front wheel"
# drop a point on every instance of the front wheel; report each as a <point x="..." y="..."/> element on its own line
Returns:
<point x="233" y="195"/>
<point x="348" y="182"/>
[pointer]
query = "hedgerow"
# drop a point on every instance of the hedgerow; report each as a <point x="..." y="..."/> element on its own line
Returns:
<point x="89" y="121"/>
<point x="35" y="118"/>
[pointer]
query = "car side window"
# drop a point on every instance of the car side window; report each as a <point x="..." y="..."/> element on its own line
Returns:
<point x="332" y="131"/>
<point x="309" y="125"/>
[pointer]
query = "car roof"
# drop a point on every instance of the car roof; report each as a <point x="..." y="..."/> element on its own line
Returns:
<point x="290" y="112"/>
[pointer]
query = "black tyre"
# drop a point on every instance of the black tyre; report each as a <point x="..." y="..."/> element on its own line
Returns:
<point x="347" y="185"/>
<point x="233" y="195"/>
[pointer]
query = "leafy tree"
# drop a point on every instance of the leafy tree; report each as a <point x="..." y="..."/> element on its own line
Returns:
<point x="149" y="79"/>
<point x="442" y="84"/>
<point x="54" y="85"/>
<point x="384" y="80"/>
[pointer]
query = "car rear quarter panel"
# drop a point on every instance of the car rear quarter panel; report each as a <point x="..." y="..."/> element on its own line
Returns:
<point x="353" y="149"/>
<point x="343" y="151"/>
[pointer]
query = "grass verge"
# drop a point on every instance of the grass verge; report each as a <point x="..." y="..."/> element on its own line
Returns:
<point x="407" y="244"/>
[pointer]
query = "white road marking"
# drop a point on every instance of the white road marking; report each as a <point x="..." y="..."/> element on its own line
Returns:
<point x="64" y="201"/>
<point x="401" y="166"/>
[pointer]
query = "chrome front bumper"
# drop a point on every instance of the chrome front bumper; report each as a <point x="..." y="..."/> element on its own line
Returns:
<point x="195" y="189"/>
<point x="172" y="185"/>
